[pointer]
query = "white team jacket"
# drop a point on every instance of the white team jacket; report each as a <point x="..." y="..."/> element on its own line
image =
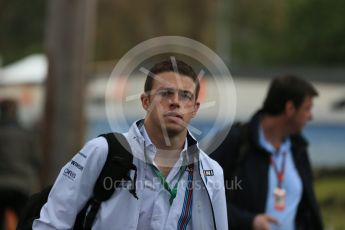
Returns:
<point x="76" y="180"/>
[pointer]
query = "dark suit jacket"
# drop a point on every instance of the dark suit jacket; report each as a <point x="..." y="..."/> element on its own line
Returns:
<point x="241" y="156"/>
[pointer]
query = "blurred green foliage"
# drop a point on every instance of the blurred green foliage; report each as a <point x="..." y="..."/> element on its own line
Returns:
<point x="21" y="28"/>
<point x="293" y="32"/>
<point x="330" y="192"/>
<point x="267" y="32"/>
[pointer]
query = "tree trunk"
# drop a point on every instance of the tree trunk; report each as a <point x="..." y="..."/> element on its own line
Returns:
<point x="69" y="35"/>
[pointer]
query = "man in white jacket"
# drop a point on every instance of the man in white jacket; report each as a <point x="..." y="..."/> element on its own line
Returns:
<point x="178" y="185"/>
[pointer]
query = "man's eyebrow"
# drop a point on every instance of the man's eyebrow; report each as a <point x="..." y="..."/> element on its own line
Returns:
<point x="166" y="88"/>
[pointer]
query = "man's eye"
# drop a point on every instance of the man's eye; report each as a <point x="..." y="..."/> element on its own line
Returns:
<point x="186" y="96"/>
<point x="163" y="93"/>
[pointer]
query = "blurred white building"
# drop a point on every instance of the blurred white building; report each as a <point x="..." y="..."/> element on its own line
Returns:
<point x="23" y="81"/>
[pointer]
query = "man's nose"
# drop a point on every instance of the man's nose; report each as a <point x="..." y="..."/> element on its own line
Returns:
<point x="174" y="99"/>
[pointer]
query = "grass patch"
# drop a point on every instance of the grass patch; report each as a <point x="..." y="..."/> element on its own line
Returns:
<point x="330" y="193"/>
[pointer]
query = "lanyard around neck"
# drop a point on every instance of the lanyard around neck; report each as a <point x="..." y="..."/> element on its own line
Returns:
<point x="172" y="191"/>
<point x="280" y="173"/>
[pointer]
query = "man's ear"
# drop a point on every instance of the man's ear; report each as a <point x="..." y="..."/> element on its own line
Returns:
<point x="196" y="108"/>
<point x="290" y="108"/>
<point x="145" y="101"/>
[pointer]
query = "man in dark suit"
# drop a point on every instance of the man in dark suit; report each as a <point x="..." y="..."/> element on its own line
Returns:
<point x="268" y="156"/>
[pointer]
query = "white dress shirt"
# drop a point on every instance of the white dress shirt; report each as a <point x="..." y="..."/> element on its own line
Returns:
<point x="155" y="208"/>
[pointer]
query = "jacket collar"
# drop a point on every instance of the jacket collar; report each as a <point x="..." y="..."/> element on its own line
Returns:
<point x="192" y="149"/>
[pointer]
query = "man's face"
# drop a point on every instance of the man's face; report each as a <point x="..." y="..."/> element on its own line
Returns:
<point x="171" y="104"/>
<point x="302" y="115"/>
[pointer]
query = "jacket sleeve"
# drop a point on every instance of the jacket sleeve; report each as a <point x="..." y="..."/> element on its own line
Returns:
<point x="308" y="215"/>
<point x="73" y="187"/>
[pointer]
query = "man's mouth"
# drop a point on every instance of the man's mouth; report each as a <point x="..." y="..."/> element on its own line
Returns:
<point x="173" y="114"/>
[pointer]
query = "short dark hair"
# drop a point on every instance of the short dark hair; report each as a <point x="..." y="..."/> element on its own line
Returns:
<point x="287" y="88"/>
<point x="167" y="66"/>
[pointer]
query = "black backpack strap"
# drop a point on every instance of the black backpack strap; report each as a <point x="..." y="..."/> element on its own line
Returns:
<point x="118" y="164"/>
<point x="32" y="209"/>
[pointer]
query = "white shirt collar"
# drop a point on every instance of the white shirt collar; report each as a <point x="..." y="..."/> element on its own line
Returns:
<point x="151" y="150"/>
